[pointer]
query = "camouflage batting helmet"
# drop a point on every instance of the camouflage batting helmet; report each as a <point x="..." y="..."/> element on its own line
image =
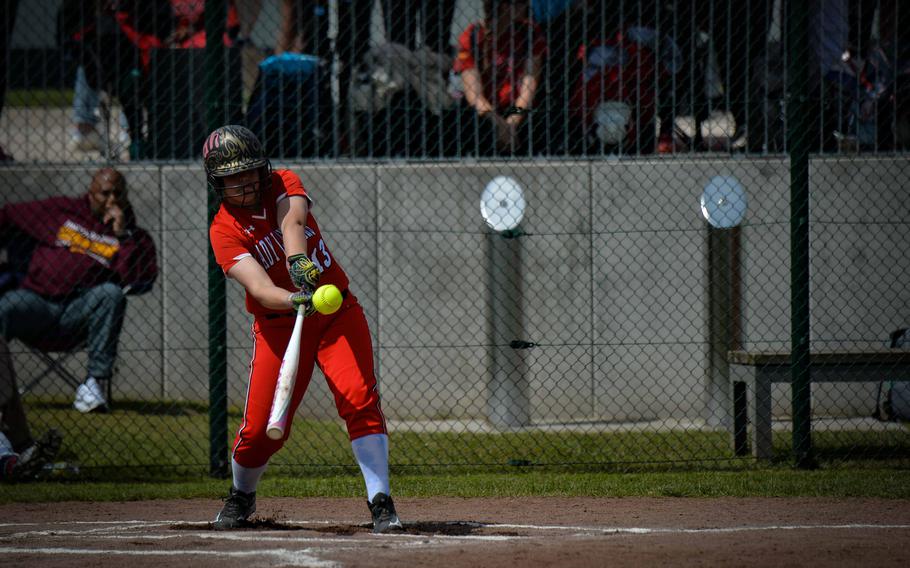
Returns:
<point x="229" y="150"/>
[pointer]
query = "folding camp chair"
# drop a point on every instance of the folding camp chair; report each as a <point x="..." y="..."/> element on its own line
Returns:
<point x="53" y="365"/>
<point x="54" y="355"/>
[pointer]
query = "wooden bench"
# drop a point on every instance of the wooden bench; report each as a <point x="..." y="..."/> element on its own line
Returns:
<point x="759" y="370"/>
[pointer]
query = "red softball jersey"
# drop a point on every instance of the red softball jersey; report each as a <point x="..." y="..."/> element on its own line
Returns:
<point x="237" y="233"/>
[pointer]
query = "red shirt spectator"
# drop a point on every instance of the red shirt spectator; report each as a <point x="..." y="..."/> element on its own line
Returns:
<point x="189" y="23"/>
<point x="502" y="60"/>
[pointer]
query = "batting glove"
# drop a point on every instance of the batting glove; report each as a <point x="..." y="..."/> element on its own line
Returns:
<point x="304" y="274"/>
<point x="305" y="299"/>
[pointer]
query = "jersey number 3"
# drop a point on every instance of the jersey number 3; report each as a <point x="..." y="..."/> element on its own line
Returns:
<point x="321" y="257"/>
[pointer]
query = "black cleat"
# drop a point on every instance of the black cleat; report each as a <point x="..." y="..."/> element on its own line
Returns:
<point x="33" y="460"/>
<point x="238" y="508"/>
<point x="384" y="516"/>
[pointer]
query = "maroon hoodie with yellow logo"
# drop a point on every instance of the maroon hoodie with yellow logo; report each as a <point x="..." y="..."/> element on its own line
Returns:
<point x="74" y="250"/>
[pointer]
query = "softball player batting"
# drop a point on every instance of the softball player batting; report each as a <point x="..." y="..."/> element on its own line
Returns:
<point x="265" y="237"/>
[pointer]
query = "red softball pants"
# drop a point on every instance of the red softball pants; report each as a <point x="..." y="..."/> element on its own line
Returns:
<point x="340" y="344"/>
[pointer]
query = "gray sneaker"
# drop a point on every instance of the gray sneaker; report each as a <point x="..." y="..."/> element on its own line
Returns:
<point x="238" y="508"/>
<point x="90" y="397"/>
<point x="384" y="516"/>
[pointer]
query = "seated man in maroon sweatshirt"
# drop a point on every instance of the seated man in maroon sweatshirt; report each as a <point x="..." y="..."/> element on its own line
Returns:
<point x="88" y="253"/>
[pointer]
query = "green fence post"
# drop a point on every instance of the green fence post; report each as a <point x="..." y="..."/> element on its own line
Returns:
<point x="797" y="114"/>
<point x="215" y="15"/>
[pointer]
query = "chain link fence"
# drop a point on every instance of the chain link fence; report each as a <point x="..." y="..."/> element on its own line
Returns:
<point x="614" y="234"/>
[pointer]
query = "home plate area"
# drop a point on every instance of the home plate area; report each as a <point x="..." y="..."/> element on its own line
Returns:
<point x="265" y="542"/>
<point x="444" y="532"/>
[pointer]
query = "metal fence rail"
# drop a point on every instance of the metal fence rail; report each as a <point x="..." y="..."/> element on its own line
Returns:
<point x="714" y="204"/>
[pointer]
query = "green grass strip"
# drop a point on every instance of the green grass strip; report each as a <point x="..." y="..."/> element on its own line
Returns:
<point x="40" y="98"/>
<point x="169" y="441"/>
<point x="841" y="483"/>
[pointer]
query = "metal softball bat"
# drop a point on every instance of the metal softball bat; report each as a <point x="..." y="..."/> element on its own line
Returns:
<point x="287" y="376"/>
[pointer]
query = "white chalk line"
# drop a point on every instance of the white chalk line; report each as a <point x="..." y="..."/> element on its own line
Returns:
<point x="92" y="532"/>
<point x="304" y="557"/>
<point x="115" y="523"/>
<point x="257" y="536"/>
<point x="117" y="526"/>
<point x="146" y="524"/>
<point x="283" y="555"/>
<point x="372" y="539"/>
<point x="307" y="557"/>
<point x="398" y="541"/>
<point x="677" y="530"/>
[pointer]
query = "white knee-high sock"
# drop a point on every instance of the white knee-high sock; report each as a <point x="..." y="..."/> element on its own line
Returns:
<point x="246" y="478"/>
<point x="372" y="453"/>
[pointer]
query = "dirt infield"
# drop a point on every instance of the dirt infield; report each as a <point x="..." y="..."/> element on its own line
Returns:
<point x="451" y="532"/>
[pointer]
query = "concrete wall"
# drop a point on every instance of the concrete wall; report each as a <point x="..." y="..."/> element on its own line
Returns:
<point x="859" y="266"/>
<point x="610" y="278"/>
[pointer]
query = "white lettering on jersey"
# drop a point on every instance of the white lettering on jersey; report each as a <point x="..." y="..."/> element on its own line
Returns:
<point x="270" y="249"/>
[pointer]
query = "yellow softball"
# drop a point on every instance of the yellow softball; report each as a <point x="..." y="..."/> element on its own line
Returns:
<point x="327" y="299"/>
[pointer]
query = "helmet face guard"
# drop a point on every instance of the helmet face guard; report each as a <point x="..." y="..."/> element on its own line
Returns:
<point x="249" y="192"/>
<point x="233" y="149"/>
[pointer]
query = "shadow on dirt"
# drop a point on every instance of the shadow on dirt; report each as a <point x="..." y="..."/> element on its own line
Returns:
<point x="426" y="528"/>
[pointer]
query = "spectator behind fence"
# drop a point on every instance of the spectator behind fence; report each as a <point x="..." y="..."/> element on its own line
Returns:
<point x="304" y="29"/>
<point x="893" y="24"/>
<point x="863" y="102"/>
<point x="111" y="42"/>
<point x="738" y="35"/>
<point x="251" y="54"/>
<point x="561" y="22"/>
<point x="86" y="253"/>
<point x="499" y="61"/>
<point x="404" y="20"/>
<point x="739" y="32"/>
<point x="112" y="45"/>
<point x="614" y="97"/>
<point x="830" y="93"/>
<point x="6" y="28"/>
<point x="189" y="24"/>
<point x="21" y="456"/>
<point x="390" y="98"/>
<point x="84" y="135"/>
<point x="683" y="92"/>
